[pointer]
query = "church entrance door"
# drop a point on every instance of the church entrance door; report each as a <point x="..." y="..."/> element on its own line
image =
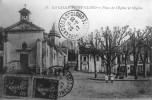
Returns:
<point x="24" y="60"/>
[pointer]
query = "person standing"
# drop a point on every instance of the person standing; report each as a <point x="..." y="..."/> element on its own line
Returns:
<point x="111" y="78"/>
<point x="106" y="78"/>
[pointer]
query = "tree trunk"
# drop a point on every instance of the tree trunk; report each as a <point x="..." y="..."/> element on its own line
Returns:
<point x="126" y="67"/>
<point x="144" y="70"/>
<point x="95" y="68"/>
<point x="136" y="71"/>
<point x="150" y="62"/>
<point x="76" y="67"/>
<point x="107" y="69"/>
<point x="135" y="68"/>
<point x="136" y="65"/>
<point x="118" y="68"/>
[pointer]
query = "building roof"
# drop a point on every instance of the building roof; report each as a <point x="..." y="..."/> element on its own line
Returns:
<point x="23" y="25"/>
<point x="56" y="47"/>
<point x="24" y="11"/>
<point x="53" y="31"/>
<point x="84" y="50"/>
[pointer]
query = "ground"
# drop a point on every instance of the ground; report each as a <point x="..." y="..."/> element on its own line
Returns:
<point x="84" y="87"/>
<point x="88" y="89"/>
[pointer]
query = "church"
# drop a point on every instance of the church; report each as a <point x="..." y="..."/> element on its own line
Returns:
<point x="28" y="44"/>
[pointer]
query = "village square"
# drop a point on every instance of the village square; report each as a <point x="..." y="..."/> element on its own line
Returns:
<point x="68" y="64"/>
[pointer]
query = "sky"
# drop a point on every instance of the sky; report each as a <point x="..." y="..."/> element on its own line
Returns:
<point x="100" y="13"/>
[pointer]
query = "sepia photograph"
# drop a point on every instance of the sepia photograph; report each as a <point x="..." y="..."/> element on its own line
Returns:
<point x="75" y="49"/>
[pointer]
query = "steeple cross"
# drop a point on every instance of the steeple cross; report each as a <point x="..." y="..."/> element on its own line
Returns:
<point x="25" y="5"/>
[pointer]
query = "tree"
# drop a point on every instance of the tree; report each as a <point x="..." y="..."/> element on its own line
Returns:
<point x="146" y="46"/>
<point x="110" y="43"/>
<point x="90" y="43"/>
<point x="125" y="53"/>
<point x="137" y="39"/>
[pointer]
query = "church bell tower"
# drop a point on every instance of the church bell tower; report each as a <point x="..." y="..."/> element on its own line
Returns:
<point x="24" y="14"/>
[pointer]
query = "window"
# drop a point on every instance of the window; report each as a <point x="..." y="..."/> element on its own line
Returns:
<point x="140" y="68"/>
<point x="84" y="58"/>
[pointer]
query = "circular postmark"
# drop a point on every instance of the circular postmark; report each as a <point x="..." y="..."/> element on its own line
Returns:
<point x="65" y="78"/>
<point x="73" y="24"/>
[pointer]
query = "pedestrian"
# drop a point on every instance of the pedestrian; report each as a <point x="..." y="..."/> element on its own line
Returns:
<point x="106" y="78"/>
<point x="111" y="78"/>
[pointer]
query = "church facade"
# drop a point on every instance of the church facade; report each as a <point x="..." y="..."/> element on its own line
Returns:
<point x="31" y="46"/>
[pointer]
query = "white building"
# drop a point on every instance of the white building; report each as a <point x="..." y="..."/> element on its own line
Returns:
<point x="29" y="44"/>
<point x="86" y="61"/>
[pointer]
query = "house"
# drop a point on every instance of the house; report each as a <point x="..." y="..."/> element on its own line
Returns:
<point x="86" y="61"/>
<point x="130" y="65"/>
<point x="29" y="44"/>
<point x="52" y="49"/>
<point x="70" y="44"/>
<point x="72" y="52"/>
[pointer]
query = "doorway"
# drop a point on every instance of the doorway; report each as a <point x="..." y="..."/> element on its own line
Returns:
<point x="24" y="61"/>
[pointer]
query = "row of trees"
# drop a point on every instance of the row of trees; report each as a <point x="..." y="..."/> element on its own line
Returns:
<point x="109" y="44"/>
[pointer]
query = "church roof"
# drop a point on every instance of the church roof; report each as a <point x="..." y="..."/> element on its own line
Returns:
<point x="56" y="47"/>
<point x="24" y="11"/>
<point x="23" y="25"/>
<point x="53" y="28"/>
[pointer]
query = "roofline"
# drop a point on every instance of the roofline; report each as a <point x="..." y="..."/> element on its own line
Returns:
<point x="8" y="28"/>
<point x="22" y="30"/>
<point x="11" y="26"/>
